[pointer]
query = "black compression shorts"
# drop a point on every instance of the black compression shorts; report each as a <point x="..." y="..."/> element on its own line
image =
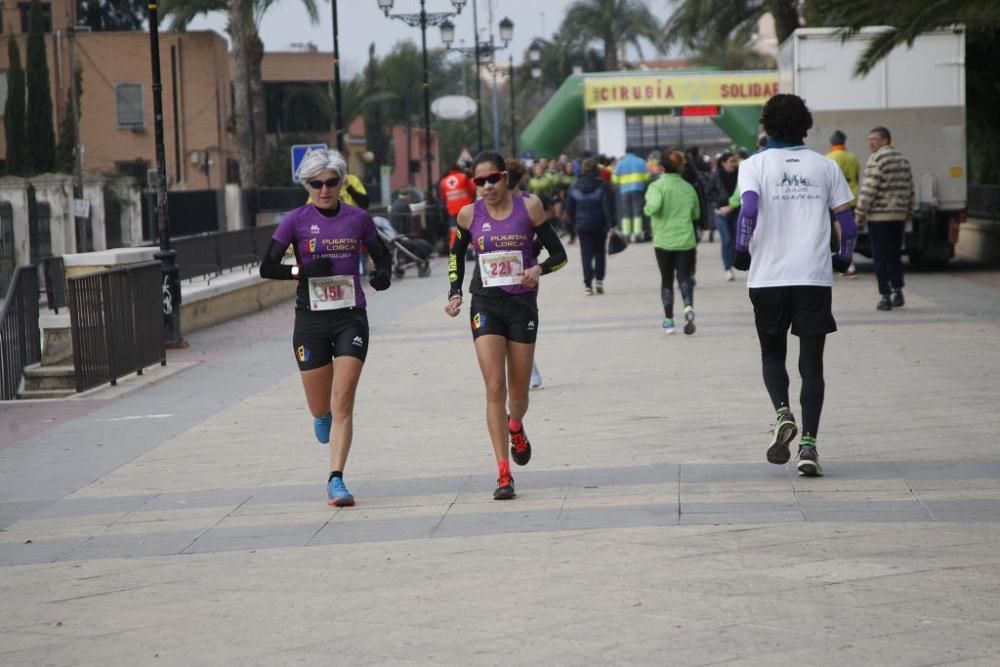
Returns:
<point x="514" y="317"/>
<point x="808" y="309"/>
<point x="319" y="336"/>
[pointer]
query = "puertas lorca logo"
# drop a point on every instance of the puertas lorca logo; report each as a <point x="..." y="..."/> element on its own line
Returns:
<point x="312" y="245"/>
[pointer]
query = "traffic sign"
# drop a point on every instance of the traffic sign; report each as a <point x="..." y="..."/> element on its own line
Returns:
<point x="299" y="152"/>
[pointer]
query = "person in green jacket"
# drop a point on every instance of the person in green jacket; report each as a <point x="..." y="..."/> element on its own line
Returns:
<point x="673" y="210"/>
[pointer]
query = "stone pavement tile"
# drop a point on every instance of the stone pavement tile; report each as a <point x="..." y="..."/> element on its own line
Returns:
<point x="706" y="507"/>
<point x="134" y="546"/>
<point x="984" y="505"/>
<point x="651" y="474"/>
<point x="980" y="609"/>
<point x="293" y="493"/>
<point x="604" y="517"/>
<point x="315" y="507"/>
<point x="921" y="486"/>
<point x="497" y="523"/>
<point x="255" y="532"/>
<point x="989" y="660"/>
<point x="875" y="515"/>
<point x="10" y="512"/>
<point x="401" y="502"/>
<point x="865" y="651"/>
<point x="744" y="518"/>
<point x="811" y="504"/>
<point x="954" y="469"/>
<point x="38" y="551"/>
<point x="964" y="493"/>
<point x="834" y="480"/>
<point x="704" y="647"/>
<point x="77" y="526"/>
<point x="732" y="472"/>
<point x="612" y="496"/>
<point x="72" y="506"/>
<point x="395" y="488"/>
<point x="199" y="498"/>
<point x="747" y="487"/>
<point x="417" y="527"/>
<point x="970" y="516"/>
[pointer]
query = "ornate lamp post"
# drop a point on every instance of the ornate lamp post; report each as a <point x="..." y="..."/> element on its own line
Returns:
<point x="422" y="20"/>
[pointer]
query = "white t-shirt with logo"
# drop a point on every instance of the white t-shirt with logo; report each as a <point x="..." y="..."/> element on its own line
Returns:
<point x="797" y="188"/>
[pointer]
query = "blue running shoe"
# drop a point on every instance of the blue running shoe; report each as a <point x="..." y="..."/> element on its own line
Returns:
<point x="321" y="427"/>
<point x="337" y="493"/>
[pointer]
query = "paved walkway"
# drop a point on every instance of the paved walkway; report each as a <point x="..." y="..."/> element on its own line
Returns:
<point x="184" y="522"/>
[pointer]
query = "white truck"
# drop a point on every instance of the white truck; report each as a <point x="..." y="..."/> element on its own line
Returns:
<point x="918" y="93"/>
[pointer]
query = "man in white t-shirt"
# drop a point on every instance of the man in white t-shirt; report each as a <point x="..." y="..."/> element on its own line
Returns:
<point x="787" y="192"/>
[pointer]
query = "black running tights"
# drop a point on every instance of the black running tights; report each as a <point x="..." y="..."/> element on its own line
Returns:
<point x="773" y="351"/>
<point x="682" y="262"/>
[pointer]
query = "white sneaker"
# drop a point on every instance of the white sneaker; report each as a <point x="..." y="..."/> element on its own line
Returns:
<point x="729" y="275"/>
<point x="536" y="376"/>
<point x="599" y="286"/>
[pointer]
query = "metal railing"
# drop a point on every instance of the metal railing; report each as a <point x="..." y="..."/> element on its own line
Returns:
<point x="8" y="261"/>
<point x="117" y="320"/>
<point x="211" y="254"/>
<point x="20" y="339"/>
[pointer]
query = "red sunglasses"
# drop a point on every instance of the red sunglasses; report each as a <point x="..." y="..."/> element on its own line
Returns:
<point x="492" y="179"/>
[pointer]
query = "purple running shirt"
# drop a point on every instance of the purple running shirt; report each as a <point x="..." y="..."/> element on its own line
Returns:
<point x="339" y="237"/>
<point x="515" y="233"/>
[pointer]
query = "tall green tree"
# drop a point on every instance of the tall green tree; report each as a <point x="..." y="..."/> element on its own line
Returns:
<point x="14" y="127"/>
<point x="614" y="23"/>
<point x="66" y="148"/>
<point x="112" y="15"/>
<point x="39" y="131"/>
<point x="908" y="20"/>
<point x="694" y="23"/>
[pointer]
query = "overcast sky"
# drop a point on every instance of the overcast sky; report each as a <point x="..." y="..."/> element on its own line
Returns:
<point x="361" y="23"/>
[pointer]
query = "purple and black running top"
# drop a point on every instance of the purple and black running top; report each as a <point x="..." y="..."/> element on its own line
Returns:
<point x="339" y="237"/>
<point x="515" y="232"/>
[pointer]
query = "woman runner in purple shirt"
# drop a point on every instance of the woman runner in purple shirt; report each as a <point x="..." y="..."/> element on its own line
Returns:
<point x="330" y="338"/>
<point x="504" y="311"/>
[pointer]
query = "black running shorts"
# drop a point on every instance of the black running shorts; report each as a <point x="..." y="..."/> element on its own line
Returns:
<point x="319" y="336"/>
<point x="514" y="317"/>
<point x="808" y="309"/>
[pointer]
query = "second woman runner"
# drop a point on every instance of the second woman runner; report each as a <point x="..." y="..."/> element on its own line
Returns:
<point x="504" y="312"/>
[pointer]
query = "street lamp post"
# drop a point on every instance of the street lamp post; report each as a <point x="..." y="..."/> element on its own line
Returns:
<point x="483" y="53"/>
<point x="422" y="20"/>
<point x="338" y="117"/>
<point x="171" y="292"/>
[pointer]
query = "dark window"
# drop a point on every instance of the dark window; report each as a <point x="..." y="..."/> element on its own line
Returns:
<point x="25" y="9"/>
<point x="232" y="170"/>
<point x="297" y="107"/>
<point x="136" y="169"/>
<point x="129" y="106"/>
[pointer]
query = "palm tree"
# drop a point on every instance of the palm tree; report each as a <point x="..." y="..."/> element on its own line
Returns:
<point x="243" y="27"/>
<point x="615" y="23"/>
<point x="695" y="21"/>
<point x="908" y="20"/>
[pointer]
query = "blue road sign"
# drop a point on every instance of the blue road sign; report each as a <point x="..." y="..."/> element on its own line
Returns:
<point x="298" y="154"/>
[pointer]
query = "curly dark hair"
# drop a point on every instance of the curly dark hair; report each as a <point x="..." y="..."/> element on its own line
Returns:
<point x="786" y="118"/>
<point x="491" y="157"/>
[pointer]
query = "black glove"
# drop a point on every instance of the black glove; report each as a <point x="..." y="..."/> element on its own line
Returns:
<point x="380" y="280"/>
<point x="321" y="266"/>
<point x="840" y="265"/>
<point x="741" y="260"/>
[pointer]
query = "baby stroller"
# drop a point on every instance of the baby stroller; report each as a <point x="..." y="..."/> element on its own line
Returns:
<point x="406" y="251"/>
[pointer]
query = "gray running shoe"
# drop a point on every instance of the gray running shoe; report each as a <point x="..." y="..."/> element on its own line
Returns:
<point x="897" y="299"/>
<point x="784" y="432"/>
<point x="809" y="461"/>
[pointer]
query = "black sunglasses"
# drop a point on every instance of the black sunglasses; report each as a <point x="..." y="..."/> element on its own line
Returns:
<point x="492" y="179"/>
<point x="330" y="183"/>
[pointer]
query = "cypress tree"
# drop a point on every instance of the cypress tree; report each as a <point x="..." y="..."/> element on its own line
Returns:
<point x="17" y="152"/>
<point x="40" y="133"/>
<point x="65" y="149"/>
